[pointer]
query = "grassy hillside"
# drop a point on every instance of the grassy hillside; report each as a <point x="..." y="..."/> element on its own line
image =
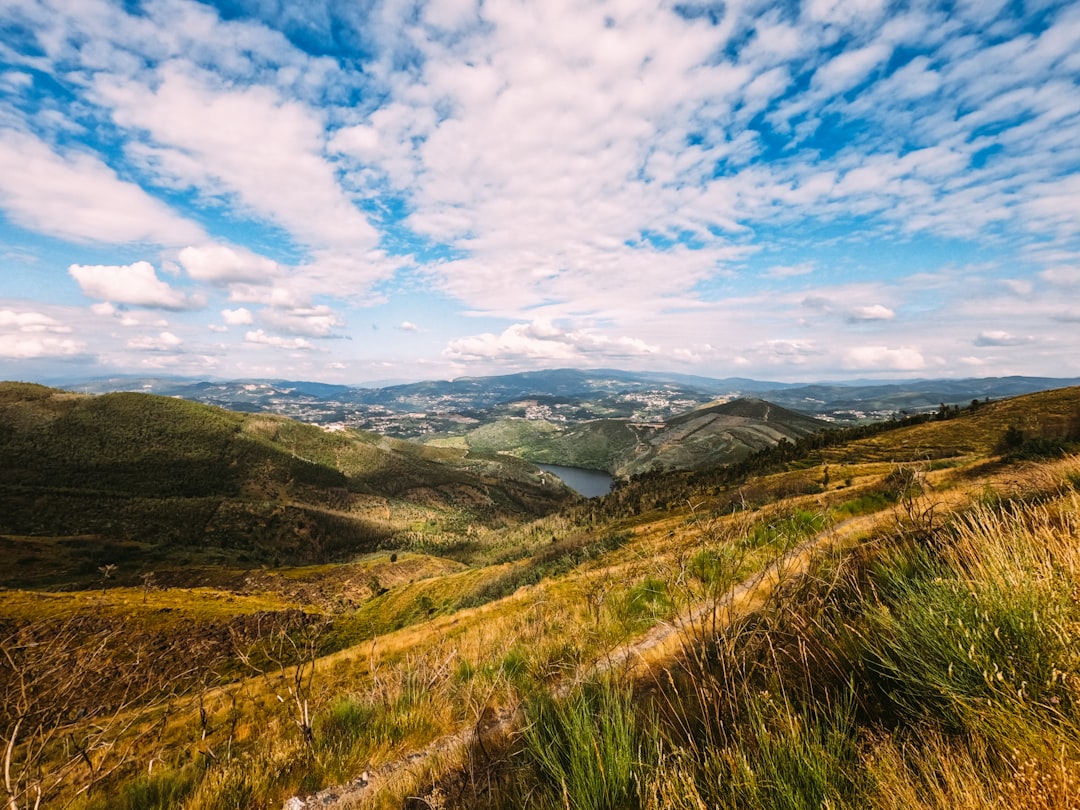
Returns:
<point x="879" y="618"/>
<point x="137" y="479"/>
<point x="710" y="436"/>
<point x="716" y="435"/>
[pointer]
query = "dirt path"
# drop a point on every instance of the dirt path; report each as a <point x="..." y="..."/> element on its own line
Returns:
<point x="659" y="644"/>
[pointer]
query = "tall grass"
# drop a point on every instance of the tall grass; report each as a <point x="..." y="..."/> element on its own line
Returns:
<point x="588" y="749"/>
<point x="938" y="668"/>
<point x="938" y="675"/>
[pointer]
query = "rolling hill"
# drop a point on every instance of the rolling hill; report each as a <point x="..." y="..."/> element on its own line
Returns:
<point x="135" y="475"/>
<point x="715" y="434"/>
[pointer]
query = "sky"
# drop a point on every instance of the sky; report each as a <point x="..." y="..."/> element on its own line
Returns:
<point x="359" y="191"/>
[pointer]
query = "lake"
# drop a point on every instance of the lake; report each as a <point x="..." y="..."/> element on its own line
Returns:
<point x="589" y="483"/>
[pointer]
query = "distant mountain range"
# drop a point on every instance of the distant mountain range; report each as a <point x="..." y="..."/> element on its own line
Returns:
<point x="619" y="421"/>
<point x="564" y="395"/>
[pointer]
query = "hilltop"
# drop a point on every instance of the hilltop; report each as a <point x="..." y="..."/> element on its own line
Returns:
<point x="714" y="434"/>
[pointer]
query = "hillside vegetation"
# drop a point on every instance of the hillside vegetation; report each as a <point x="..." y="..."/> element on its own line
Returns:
<point x="881" y="617"/>
<point x="141" y="479"/>
<point x="716" y="434"/>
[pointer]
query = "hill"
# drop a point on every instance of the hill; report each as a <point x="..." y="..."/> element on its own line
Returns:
<point x="716" y="434"/>
<point x="122" y="476"/>
<point x="880" y="616"/>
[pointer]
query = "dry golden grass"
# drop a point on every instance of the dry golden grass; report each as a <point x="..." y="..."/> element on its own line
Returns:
<point x="420" y="683"/>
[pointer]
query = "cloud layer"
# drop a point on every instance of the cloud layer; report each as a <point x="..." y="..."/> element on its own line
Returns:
<point x="795" y="190"/>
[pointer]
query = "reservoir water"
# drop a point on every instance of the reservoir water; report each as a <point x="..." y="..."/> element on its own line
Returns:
<point x="589" y="483"/>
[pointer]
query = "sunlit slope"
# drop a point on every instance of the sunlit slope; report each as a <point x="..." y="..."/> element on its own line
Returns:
<point x="143" y="470"/>
<point x="716" y="434"/>
<point x="1034" y="419"/>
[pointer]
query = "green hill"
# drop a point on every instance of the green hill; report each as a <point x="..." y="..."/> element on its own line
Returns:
<point x="712" y="435"/>
<point x="135" y="474"/>
<point x="716" y="435"/>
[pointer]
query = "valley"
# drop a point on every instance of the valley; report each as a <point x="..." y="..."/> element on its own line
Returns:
<point x="205" y="608"/>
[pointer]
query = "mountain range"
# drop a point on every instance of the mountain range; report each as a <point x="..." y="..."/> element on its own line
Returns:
<point x="574" y="395"/>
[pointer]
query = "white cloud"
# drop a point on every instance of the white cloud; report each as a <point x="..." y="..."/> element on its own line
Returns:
<point x="104" y="309"/>
<point x="76" y="196"/>
<point x="21" y="347"/>
<point x="1062" y="276"/>
<point x="237" y="317"/>
<point x="165" y="341"/>
<point x="998" y="337"/>
<point x="543" y="341"/>
<point x="30" y="322"/>
<point x="408" y="326"/>
<point x="134" y="284"/>
<point x="585" y="172"/>
<point x="222" y="264"/>
<point x="873" y="312"/>
<point x="253" y="144"/>
<point x="316" y="321"/>
<point x="851" y="68"/>
<point x="258" y="336"/>
<point x="883" y="358"/>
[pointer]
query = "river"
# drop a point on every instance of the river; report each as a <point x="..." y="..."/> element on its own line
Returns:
<point x="590" y="483"/>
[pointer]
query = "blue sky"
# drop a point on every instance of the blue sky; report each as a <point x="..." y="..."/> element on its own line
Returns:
<point x="354" y="191"/>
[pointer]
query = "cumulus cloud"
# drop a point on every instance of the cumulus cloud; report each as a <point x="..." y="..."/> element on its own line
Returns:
<point x="134" y="284"/>
<point x="30" y="322"/>
<point x="222" y="264"/>
<point x="873" y="312"/>
<point x="544" y="341"/>
<point x="883" y="358"/>
<point x="105" y="309"/>
<point x="408" y="326"/>
<point x="317" y="321"/>
<point x="27" y="334"/>
<point x="237" y="317"/>
<point x="22" y="347"/>
<point x="258" y="336"/>
<point x="165" y="341"/>
<point x="77" y="196"/>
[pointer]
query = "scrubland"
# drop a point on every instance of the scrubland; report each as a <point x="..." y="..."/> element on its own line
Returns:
<point x="891" y="620"/>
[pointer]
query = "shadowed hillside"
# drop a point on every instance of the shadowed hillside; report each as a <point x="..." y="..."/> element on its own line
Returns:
<point x="123" y="475"/>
